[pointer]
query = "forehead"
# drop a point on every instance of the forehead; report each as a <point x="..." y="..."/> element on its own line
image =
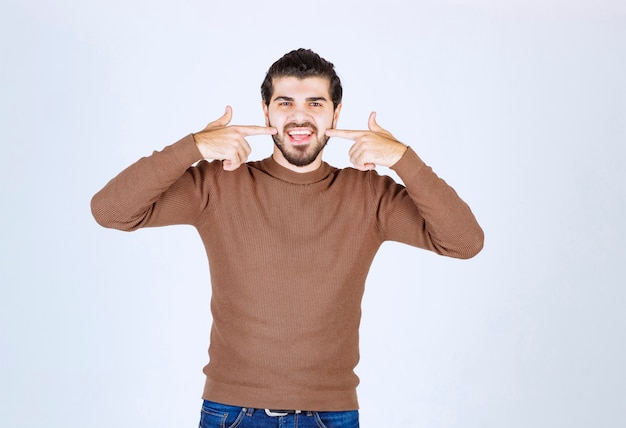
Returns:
<point x="294" y="87"/>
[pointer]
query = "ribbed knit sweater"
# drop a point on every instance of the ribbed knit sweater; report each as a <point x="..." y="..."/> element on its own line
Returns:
<point x="288" y="254"/>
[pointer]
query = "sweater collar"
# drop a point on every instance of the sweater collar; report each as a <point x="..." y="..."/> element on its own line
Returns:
<point x="278" y="171"/>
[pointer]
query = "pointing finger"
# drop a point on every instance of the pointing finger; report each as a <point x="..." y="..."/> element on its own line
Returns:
<point x="251" y="130"/>
<point x="344" y="133"/>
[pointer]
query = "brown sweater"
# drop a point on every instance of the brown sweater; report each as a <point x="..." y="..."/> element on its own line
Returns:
<point x="288" y="254"/>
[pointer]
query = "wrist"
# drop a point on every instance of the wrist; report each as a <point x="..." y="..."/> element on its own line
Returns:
<point x="398" y="154"/>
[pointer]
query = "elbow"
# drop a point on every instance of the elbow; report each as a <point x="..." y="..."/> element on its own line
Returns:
<point x="100" y="212"/>
<point x="473" y="244"/>
<point x="471" y="251"/>
<point x="468" y="245"/>
<point x="105" y="215"/>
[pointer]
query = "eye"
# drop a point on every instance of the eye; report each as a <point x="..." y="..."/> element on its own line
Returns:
<point x="284" y="103"/>
<point x="316" y="104"/>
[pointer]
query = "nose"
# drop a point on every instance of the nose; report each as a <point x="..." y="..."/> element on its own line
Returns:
<point x="299" y="115"/>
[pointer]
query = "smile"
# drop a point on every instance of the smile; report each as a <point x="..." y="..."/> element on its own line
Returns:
<point x="299" y="135"/>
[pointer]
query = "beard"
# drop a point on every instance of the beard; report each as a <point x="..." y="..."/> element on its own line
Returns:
<point x="300" y="155"/>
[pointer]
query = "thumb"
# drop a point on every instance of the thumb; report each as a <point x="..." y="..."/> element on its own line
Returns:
<point x="222" y="121"/>
<point x="372" y="124"/>
<point x="375" y="127"/>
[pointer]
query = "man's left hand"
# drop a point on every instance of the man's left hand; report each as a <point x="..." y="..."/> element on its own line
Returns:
<point x="375" y="146"/>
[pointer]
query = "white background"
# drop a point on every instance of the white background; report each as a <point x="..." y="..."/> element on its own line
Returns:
<point x="519" y="105"/>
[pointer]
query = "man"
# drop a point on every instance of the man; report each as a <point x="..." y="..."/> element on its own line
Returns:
<point x="290" y="240"/>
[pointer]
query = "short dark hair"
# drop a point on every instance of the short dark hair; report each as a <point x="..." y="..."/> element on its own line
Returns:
<point x="302" y="63"/>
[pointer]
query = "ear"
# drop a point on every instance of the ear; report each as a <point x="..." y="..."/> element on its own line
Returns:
<point x="265" y="113"/>
<point x="336" y="115"/>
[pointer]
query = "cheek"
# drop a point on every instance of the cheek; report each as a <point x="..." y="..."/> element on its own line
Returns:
<point x="274" y="120"/>
<point x="326" y="123"/>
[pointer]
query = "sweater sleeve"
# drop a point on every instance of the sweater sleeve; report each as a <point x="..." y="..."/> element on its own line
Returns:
<point x="157" y="190"/>
<point x="428" y="213"/>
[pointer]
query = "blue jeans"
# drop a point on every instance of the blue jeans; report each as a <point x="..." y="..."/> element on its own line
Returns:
<point x="215" y="415"/>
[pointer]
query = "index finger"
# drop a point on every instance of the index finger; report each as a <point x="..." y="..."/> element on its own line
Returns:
<point x="249" y="130"/>
<point x="344" y="133"/>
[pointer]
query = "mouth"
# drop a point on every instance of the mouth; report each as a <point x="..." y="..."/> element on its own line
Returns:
<point x="301" y="134"/>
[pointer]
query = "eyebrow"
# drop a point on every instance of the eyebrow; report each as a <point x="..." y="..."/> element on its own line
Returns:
<point x="309" y="99"/>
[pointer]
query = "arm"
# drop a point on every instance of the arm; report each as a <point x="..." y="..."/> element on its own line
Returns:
<point x="427" y="212"/>
<point x="128" y="201"/>
<point x="162" y="188"/>
<point x="449" y="226"/>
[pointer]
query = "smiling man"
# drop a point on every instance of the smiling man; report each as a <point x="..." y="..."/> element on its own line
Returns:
<point x="289" y="240"/>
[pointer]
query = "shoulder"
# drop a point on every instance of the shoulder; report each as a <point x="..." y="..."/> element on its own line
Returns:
<point x="372" y="177"/>
<point x="357" y="183"/>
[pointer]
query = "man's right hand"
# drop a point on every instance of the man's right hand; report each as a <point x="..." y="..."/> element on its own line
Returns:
<point x="228" y="143"/>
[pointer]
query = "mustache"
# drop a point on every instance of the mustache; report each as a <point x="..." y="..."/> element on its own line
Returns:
<point x="307" y="124"/>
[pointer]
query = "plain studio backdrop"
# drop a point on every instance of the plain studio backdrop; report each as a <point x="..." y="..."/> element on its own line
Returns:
<point x="519" y="105"/>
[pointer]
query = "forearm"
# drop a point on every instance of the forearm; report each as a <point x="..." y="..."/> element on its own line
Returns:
<point x="126" y="202"/>
<point x="449" y="222"/>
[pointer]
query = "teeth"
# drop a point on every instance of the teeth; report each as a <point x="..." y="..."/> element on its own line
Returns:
<point x="300" y="133"/>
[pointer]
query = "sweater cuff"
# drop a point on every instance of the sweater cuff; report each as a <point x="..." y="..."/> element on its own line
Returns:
<point x="409" y="164"/>
<point x="187" y="150"/>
